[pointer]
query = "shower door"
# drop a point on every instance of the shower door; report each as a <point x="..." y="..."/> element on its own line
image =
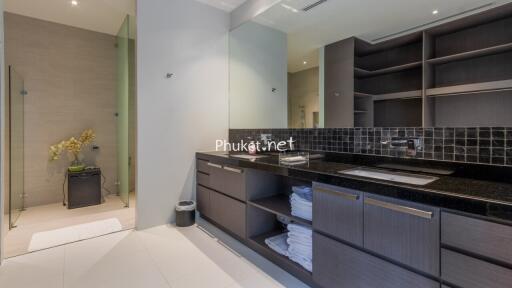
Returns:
<point x="16" y="145"/>
<point x="123" y="113"/>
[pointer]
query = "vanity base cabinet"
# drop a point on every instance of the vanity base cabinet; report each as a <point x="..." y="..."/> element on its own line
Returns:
<point x="477" y="236"/>
<point x="403" y="231"/>
<point x="338" y="265"/>
<point x="229" y="213"/>
<point x="203" y="200"/>
<point x="468" y="272"/>
<point x="338" y="212"/>
<point x="228" y="180"/>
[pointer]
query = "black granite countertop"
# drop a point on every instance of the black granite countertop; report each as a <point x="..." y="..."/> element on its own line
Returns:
<point x="482" y="190"/>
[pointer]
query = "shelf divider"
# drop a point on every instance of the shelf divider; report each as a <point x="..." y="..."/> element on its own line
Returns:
<point x="279" y="205"/>
<point x="359" y="72"/>
<point x="483" y="87"/>
<point x="471" y="54"/>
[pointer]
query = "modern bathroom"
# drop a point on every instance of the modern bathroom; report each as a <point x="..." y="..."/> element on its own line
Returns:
<point x="257" y="143"/>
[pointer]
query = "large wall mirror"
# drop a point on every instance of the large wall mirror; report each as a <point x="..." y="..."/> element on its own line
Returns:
<point x="337" y="64"/>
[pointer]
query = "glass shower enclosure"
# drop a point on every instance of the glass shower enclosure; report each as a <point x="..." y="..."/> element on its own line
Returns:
<point x="125" y="109"/>
<point x="16" y="193"/>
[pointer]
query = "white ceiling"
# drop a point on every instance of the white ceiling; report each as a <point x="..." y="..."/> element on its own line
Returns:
<point x="104" y="16"/>
<point x="226" y="5"/>
<point x="339" y="19"/>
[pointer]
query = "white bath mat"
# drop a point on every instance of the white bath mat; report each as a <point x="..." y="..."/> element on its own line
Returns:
<point x="52" y="238"/>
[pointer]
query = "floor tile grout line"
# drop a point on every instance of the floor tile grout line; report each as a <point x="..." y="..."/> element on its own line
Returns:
<point x="153" y="260"/>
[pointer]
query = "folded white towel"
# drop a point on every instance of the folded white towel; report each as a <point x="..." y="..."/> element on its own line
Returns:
<point x="304" y="192"/>
<point x="278" y="243"/>
<point x="300" y="229"/>
<point x="301" y="207"/>
<point x="300" y="245"/>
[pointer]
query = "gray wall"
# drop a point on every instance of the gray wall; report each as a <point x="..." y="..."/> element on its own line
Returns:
<point x="181" y="115"/>
<point x="303" y="91"/>
<point x="71" y="77"/>
<point x="3" y="218"/>
<point x="257" y="64"/>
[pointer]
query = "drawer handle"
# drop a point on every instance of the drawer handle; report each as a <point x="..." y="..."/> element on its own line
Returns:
<point x="345" y="195"/>
<point x="239" y="171"/>
<point x="214" y="165"/>
<point x="399" y="208"/>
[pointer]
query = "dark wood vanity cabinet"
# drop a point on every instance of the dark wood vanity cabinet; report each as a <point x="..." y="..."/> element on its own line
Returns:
<point x="221" y="194"/>
<point x="338" y="212"/>
<point x="338" y="265"/>
<point x="477" y="253"/>
<point x="403" y="231"/>
<point x="227" y="179"/>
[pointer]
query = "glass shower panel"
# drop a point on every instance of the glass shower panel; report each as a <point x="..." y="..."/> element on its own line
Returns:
<point x="16" y="145"/>
<point x="123" y="111"/>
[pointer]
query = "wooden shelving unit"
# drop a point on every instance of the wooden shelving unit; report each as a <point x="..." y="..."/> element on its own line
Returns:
<point x="258" y="244"/>
<point x="468" y="59"/>
<point x="279" y="205"/>
<point x="359" y="72"/>
<point x="388" y="96"/>
<point x="485" y="87"/>
<point x="471" y="54"/>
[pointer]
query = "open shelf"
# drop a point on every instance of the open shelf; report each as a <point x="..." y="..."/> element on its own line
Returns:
<point x="484" y="87"/>
<point x="471" y="54"/>
<point x="366" y="73"/>
<point x="360" y="111"/>
<point x="398" y="95"/>
<point x="359" y="94"/>
<point x="259" y="244"/>
<point x="279" y="205"/>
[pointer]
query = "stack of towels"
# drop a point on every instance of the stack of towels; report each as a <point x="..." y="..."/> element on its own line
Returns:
<point x="301" y="202"/>
<point x="300" y="245"/>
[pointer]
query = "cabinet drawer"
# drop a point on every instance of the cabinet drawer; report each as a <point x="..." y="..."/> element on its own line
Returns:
<point x="228" y="213"/>
<point x="228" y="180"/>
<point x="468" y="272"/>
<point x="337" y="265"/>
<point x="203" y="179"/>
<point x="403" y="231"/>
<point x="338" y="212"/>
<point x="203" y="200"/>
<point x="202" y="165"/>
<point x="477" y="236"/>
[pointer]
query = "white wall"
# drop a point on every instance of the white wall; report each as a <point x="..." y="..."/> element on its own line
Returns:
<point x="257" y="63"/>
<point x="181" y="115"/>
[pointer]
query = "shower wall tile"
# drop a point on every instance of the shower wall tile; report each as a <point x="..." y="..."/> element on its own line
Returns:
<point x="484" y="145"/>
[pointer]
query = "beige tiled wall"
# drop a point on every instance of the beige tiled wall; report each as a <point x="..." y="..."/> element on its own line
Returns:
<point x="70" y="75"/>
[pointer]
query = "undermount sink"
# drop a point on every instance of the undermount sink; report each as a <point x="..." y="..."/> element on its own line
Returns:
<point x="391" y="176"/>
<point x="248" y="157"/>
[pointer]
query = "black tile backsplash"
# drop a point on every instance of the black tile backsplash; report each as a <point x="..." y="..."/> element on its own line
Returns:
<point x="484" y="145"/>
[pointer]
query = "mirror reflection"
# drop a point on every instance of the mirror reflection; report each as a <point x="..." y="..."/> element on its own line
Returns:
<point x="299" y="65"/>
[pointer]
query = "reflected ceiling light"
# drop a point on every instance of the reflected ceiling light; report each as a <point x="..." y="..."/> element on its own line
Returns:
<point x="435" y="12"/>
<point x="305" y="62"/>
<point x="74" y="3"/>
<point x="289" y="8"/>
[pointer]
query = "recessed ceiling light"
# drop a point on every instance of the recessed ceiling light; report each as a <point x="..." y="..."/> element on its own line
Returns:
<point x="435" y="12"/>
<point x="305" y="62"/>
<point x="74" y="3"/>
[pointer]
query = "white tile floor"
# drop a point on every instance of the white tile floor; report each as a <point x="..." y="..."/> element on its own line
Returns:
<point x="163" y="256"/>
<point x="55" y="216"/>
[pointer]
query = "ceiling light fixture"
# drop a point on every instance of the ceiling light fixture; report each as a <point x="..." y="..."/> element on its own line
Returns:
<point x="435" y="12"/>
<point x="74" y="3"/>
<point x="305" y="62"/>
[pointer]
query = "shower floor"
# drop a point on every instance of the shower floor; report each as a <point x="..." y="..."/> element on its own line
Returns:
<point x="54" y="216"/>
